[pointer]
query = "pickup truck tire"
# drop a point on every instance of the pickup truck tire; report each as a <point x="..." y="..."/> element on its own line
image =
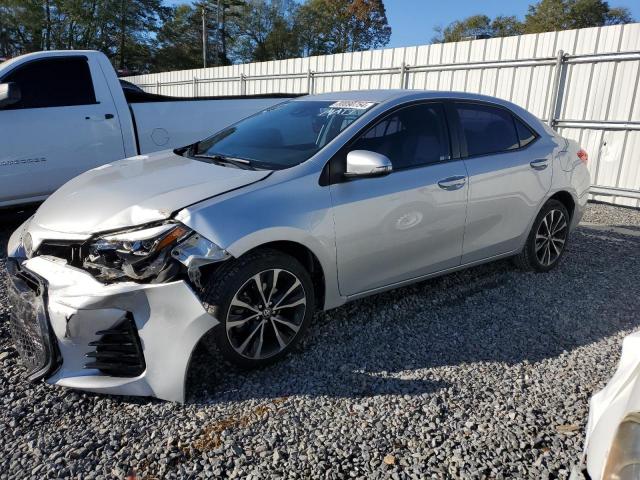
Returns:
<point x="547" y="240"/>
<point x="264" y="302"/>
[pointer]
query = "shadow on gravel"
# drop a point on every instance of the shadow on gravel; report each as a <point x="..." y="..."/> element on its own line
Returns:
<point x="491" y="313"/>
<point x="632" y="228"/>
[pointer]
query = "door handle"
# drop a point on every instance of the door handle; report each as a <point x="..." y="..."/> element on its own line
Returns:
<point x="453" y="183"/>
<point x="539" y="164"/>
<point x="98" y="118"/>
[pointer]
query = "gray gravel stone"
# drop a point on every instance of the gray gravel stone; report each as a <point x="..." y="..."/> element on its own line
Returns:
<point x="482" y="373"/>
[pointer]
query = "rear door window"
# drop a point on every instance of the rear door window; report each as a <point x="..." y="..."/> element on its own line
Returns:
<point x="487" y="129"/>
<point x="53" y="82"/>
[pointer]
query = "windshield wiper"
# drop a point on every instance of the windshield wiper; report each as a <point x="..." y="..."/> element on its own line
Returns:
<point x="223" y="159"/>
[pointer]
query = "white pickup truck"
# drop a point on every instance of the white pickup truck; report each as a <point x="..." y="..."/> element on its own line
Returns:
<point x="65" y="112"/>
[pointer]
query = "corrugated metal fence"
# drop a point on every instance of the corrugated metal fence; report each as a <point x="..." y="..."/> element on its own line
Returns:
<point x="583" y="82"/>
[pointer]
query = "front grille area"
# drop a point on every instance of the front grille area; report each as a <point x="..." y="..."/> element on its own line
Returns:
<point x="118" y="352"/>
<point x="72" y="252"/>
<point x="28" y="323"/>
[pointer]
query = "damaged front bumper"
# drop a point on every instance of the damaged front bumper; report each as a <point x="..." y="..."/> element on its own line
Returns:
<point x="125" y="338"/>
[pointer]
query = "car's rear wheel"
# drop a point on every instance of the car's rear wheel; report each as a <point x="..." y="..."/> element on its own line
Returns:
<point x="264" y="301"/>
<point x="547" y="240"/>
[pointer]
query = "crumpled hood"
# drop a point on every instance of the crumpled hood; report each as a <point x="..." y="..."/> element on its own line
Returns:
<point x="135" y="191"/>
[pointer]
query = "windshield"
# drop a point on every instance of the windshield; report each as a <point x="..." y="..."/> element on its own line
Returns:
<point x="284" y="135"/>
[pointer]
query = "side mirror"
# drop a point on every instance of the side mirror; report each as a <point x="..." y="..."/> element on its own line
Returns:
<point x="363" y="163"/>
<point x="9" y="94"/>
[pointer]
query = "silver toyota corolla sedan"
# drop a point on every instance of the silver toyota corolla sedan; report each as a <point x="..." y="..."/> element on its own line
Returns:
<point x="299" y="208"/>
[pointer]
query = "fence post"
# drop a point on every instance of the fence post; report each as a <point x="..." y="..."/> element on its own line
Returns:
<point x="158" y="87"/>
<point x="555" y="92"/>
<point x="243" y="84"/>
<point x="403" y="73"/>
<point x="195" y="86"/>
<point x="309" y="80"/>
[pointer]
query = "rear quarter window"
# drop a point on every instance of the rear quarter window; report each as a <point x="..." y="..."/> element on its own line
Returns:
<point x="525" y="134"/>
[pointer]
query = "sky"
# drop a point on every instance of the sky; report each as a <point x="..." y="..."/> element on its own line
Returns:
<point x="412" y="21"/>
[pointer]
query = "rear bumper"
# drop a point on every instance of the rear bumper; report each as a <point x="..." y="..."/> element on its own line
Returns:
<point x="168" y="319"/>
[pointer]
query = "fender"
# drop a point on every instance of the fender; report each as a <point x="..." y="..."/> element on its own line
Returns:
<point x="301" y="213"/>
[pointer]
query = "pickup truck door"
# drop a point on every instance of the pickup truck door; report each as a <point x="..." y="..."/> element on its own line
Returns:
<point x="64" y="124"/>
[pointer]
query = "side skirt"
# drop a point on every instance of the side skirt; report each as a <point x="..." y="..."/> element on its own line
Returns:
<point x="430" y="275"/>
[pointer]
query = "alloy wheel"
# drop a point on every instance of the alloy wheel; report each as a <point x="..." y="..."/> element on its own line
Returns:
<point x="551" y="237"/>
<point x="266" y="314"/>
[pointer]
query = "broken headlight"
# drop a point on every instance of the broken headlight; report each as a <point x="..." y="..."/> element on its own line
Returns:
<point x="151" y="254"/>
<point x="141" y="255"/>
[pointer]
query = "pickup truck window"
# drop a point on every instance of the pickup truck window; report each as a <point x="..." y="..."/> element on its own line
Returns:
<point x="53" y="82"/>
<point x="284" y="135"/>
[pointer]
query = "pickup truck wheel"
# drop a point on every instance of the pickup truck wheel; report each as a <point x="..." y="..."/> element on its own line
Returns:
<point x="264" y="302"/>
<point x="547" y="240"/>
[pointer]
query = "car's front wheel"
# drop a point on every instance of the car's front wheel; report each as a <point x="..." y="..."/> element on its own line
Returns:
<point x="547" y="240"/>
<point x="264" y="301"/>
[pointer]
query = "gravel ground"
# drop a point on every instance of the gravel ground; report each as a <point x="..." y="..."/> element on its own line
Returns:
<point x="480" y="374"/>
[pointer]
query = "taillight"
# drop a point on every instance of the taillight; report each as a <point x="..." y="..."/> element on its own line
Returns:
<point x="583" y="155"/>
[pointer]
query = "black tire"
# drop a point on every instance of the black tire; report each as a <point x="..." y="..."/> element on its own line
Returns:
<point x="529" y="259"/>
<point x="236" y="277"/>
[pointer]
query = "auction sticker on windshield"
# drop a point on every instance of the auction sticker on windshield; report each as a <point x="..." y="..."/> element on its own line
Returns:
<point x="352" y="104"/>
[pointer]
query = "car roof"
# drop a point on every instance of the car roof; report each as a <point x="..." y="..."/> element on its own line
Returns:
<point x="380" y="96"/>
<point x="377" y="96"/>
<point x="397" y="96"/>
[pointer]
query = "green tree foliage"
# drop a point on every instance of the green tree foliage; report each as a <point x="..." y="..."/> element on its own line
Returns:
<point x="265" y="30"/>
<point x="474" y="26"/>
<point x="587" y="13"/>
<point x="506" y="26"/>
<point x="551" y="15"/>
<point x="22" y="25"/>
<point x="145" y="35"/>
<point x="123" y="29"/>
<point x="618" y="16"/>
<point x="337" y="26"/>
<point x="544" y="16"/>
<point x="136" y="22"/>
<point x="179" y="40"/>
<point x="478" y="26"/>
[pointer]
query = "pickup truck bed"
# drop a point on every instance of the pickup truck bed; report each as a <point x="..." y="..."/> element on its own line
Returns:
<point x="161" y="121"/>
